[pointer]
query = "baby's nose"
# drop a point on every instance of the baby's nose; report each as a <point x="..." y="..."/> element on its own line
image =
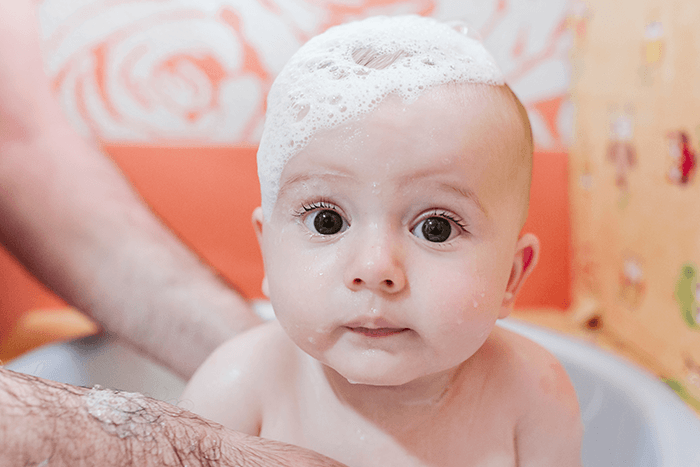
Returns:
<point x="377" y="266"/>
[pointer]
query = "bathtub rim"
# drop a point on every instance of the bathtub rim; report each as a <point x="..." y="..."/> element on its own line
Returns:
<point x="671" y="420"/>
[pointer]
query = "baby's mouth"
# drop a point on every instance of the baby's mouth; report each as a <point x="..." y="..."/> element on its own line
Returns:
<point x="377" y="332"/>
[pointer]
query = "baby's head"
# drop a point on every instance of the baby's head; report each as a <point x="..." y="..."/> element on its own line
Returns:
<point x="395" y="170"/>
<point x="345" y="73"/>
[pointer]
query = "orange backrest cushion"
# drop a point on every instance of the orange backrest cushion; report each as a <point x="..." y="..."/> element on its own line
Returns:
<point x="207" y="194"/>
<point x="549" y="286"/>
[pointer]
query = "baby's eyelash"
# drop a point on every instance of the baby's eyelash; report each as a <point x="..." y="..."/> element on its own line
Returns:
<point x="449" y="216"/>
<point x="321" y="204"/>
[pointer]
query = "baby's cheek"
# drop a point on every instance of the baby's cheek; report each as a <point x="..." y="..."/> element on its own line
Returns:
<point x="458" y="287"/>
<point x="301" y="293"/>
<point x="464" y="300"/>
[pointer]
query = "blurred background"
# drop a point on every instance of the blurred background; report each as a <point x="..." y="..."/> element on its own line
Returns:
<point x="174" y="91"/>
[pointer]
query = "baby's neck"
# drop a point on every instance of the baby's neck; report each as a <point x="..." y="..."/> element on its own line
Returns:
<point x="402" y="406"/>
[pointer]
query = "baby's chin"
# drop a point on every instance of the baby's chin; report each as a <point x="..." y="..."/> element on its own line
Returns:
<point x="374" y="377"/>
<point x="383" y="380"/>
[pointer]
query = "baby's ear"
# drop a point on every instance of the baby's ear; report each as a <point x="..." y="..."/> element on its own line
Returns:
<point x="258" y="227"/>
<point x="527" y="252"/>
<point x="258" y="223"/>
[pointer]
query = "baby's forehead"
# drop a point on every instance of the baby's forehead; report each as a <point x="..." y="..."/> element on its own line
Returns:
<point x="492" y="109"/>
<point x="448" y="123"/>
<point x="347" y="71"/>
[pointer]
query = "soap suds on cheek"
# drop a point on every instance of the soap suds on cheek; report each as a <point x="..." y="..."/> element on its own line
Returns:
<point x="120" y="413"/>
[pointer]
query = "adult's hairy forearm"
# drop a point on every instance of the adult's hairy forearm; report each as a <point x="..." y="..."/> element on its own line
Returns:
<point x="53" y="424"/>
<point x="70" y="216"/>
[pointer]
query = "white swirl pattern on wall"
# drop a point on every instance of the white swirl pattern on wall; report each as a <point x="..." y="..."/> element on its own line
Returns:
<point x="197" y="72"/>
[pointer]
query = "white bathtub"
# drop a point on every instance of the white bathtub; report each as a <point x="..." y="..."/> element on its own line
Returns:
<point x="631" y="419"/>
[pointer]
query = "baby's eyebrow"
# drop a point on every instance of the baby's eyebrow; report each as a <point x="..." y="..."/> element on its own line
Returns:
<point x="461" y="191"/>
<point x="305" y="177"/>
<point x="466" y="193"/>
<point x="293" y="181"/>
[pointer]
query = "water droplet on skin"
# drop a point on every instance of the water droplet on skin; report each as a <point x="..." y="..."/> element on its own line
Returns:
<point x="312" y="340"/>
<point x="475" y="303"/>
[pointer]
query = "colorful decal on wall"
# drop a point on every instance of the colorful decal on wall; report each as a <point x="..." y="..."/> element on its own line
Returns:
<point x="653" y="42"/>
<point x="184" y="71"/>
<point x="632" y="284"/>
<point x="652" y="51"/>
<point x="688" y="295"/>
<point x="683" y="158"/>
<point x="621" y="151"/>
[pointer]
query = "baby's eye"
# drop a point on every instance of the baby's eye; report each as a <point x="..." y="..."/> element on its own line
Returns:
<point x="325" y="222"/>
<point x="435" y="229"/>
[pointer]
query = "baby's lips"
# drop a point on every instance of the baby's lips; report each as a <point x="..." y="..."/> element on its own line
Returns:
<point x="374" y="323"/>
<point x="378" y="332"/>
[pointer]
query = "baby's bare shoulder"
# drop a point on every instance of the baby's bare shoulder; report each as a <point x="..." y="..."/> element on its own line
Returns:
<point x="548" y="425"/>
<point x="253" y="353"/>
<point x="234" y="382"/>
<point x="531" y="365"/>
<point x="517" y="361"/>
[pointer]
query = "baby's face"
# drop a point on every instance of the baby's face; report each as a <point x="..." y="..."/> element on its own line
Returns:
<point x="390" y="251"/>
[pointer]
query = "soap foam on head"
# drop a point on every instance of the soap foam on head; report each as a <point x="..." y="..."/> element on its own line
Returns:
<point x="348" y="70"/>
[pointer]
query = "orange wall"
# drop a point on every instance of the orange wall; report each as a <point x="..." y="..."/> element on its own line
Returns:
<point x="207" y="195"/>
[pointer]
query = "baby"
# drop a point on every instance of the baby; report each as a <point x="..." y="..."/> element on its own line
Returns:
<point x="395" y="169"/>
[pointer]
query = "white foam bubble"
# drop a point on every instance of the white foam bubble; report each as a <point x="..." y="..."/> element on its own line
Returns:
<point x="121" y="413"/>
<point x="329" y="82"/>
